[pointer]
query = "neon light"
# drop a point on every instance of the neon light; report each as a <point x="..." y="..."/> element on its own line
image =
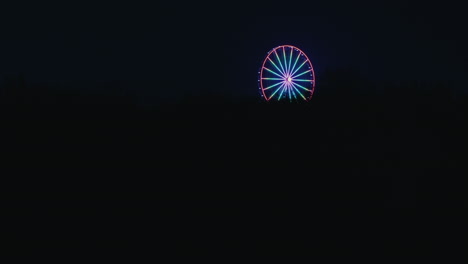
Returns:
<point x="300" y="86"/>
<point x="271" y="86"/>
<point x="294" y="66"/>
<point x="292" y="90"/>
<point x="302" y="73"/>
<point x="279" y="60"/>
<point x="281" y="81"/>
<point x="274" y="79"/>
<point x="302" y="80"/>
<point x="290" y="58"/>
<point x="285" y="64"/>
<point x="273" y="72"/>
<point x="300" y="66"/>
<point x="282" y="91"/>
<point x="274" y="65"/>
<point x="273" y="94"/>
<point x="294" y="86"/>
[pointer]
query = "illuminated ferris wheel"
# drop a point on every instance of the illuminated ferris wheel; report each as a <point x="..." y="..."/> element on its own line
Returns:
<point x="286" y="74"/>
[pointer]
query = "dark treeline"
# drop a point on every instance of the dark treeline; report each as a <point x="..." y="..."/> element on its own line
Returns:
<point x="342" y="87"/>
<point x="357" y="147"/>
<point x="349" y="117"/>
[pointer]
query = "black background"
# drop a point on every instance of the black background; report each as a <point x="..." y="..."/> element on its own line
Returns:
<point x="138" y="128"/>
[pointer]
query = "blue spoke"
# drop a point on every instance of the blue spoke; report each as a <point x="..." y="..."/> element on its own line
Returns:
<point x="302" y="80"/>
<point x="282" y="91"/>
<point x="300" y="66"/>
<point x="302" y="73"/>
<point x="273" y="79"/>
<point x="274" y="64"/>
<point x="300" y="86"/>
<point x="285" y="64"/>
<point x="299" y="92"/>
<point x="273" y="94"/>
<point x="273" y="72"/>
<point x="290" y="58"/>
<point x="295" y="62"/>
<point x="292" y="91"/>
<point x="281" y="65"/>
<point x="271" y="86"/>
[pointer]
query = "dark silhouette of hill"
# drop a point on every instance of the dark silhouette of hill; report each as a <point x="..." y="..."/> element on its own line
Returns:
<point x="372" y="154"/>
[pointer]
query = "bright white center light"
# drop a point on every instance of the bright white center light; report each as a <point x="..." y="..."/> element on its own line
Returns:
<point x="289" y="79"/>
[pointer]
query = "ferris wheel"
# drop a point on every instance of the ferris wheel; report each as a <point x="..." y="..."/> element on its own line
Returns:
<point x="286" y="74"/>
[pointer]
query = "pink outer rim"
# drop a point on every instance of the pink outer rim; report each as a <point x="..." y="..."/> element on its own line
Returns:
<point x="263" y="65"/>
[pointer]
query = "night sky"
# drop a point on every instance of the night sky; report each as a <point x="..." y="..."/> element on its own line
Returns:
<point x="169" y="50"/>
<point x="365" y="166"/>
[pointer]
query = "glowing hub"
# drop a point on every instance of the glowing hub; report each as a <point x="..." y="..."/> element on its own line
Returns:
<point x="289" y="79"/>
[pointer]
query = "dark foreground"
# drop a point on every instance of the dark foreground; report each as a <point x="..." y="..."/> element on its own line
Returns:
<point x="324" y="178"/>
